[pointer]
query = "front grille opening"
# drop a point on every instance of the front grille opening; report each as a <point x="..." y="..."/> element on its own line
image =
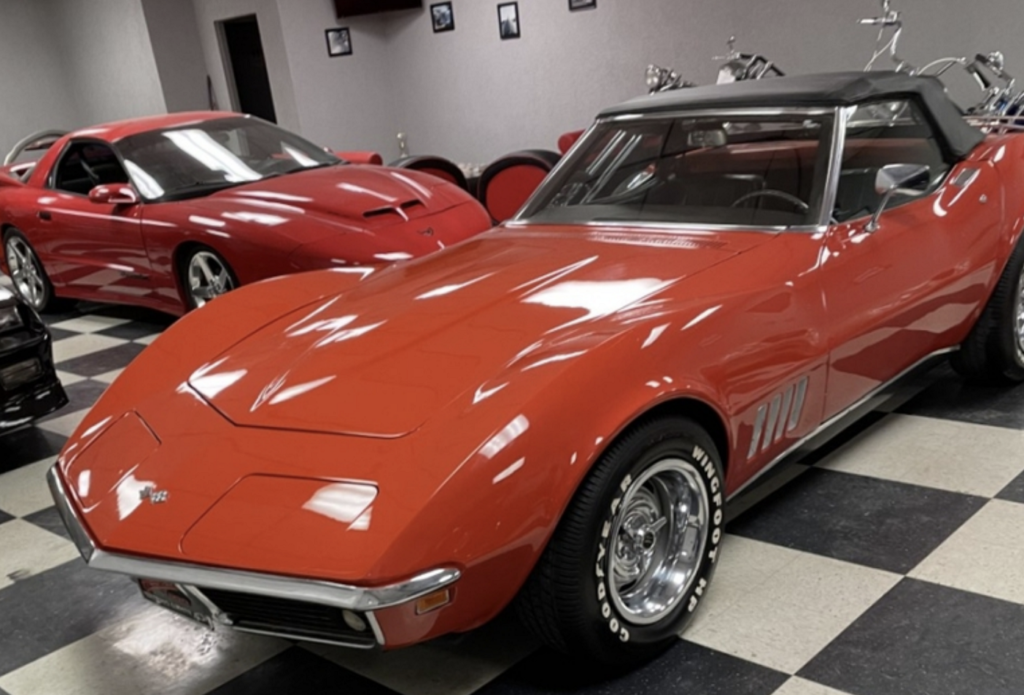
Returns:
<point x="296" y="619"/>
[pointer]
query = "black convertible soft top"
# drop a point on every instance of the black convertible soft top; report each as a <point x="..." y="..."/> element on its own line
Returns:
<point x="825" y="89"/>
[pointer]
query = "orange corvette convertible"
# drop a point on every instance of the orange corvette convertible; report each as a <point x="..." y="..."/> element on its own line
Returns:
<point x="555" y="413"/>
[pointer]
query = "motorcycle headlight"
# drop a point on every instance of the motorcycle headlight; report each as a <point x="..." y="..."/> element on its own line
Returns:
<point x="655" y="76"/>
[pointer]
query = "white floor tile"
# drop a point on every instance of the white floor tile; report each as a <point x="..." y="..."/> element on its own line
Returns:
<point x="79" y="345"/>
<point x="154" y="652"/>
<point x="799" y="686"/>
<point x="780" y="607"/>
<point x="944" y="454"/>
<point x="109" y="377"/>
<point x="985" y="556"/>
<point x="67" y="379"/>
<point x="147" y="340"/>
<point x="438" y="668"/>
<point x="65" y="424"/>
<point x="29" y="550"/>
<point x="24" y="491"/>
<point x="89" y="323"/>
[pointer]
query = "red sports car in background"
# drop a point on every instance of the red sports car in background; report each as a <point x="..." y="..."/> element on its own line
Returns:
<point x="170" y="211"/>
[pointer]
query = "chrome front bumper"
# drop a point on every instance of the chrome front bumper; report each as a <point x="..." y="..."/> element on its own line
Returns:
<point x="190" y="576"/>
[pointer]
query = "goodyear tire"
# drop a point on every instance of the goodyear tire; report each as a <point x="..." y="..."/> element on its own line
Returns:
<point x="994" y="349"/>
<point x="632" y="558"/>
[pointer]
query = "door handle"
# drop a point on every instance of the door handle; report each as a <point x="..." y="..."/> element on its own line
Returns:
<point x="45" y="215"/>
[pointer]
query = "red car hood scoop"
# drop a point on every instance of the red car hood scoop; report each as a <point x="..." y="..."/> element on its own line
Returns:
<point x="357" y="194"/>
<point x="381" y="359"/>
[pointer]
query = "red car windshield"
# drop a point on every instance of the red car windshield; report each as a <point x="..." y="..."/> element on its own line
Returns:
<point x="207" y="156"/>
<point x="748" y="171"/>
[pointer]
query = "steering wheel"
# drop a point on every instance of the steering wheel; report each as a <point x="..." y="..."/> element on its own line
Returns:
<point x="772" y="193"/>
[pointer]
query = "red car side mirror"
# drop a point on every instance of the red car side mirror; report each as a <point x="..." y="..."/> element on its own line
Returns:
<point x="361" y="157"/>
<point x="114" y="194"/>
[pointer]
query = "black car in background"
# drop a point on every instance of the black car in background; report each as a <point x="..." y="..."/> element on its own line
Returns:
<point x="29" y="387"/>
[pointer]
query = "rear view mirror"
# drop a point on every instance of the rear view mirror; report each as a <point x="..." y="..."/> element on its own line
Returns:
<point x="905" y="179"/>
<point x="114" y="194"/>
<point x="715" y="137"/>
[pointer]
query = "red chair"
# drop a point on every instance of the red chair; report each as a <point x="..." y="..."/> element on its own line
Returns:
<point x="509" y="181"/>
<point x="566" y="142"/>
<point x="362" y="157"/>
<point x="435" y="166"/>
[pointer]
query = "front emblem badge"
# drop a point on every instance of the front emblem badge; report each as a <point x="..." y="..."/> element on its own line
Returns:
<point x="153" y="495"/>
<point x="429" y="231"/>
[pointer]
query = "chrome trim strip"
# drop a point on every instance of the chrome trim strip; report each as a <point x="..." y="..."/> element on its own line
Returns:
<point x="798" y="406"/>
<point x="787" y="403"/>
<point x="375" y="626"/>
<point x="755" y="439"/>
<point x="700" y="113"/>
<point x="773" y="417"/>
<point x="966" y="177"/>
<point x="314" y="591"/>
<point x="835" y="164"/>
<point x="839" y="416"/>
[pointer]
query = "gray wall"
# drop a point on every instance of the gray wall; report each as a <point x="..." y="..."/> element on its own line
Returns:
<point x="35" y="93"/>
<point x="178" y="52"/>
<point x="470" y="96"/>
<point x="107" y="58"/>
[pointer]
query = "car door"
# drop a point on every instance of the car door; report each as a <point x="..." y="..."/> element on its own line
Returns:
<point x="898" y="293"/>
<point x="95" y="248"/>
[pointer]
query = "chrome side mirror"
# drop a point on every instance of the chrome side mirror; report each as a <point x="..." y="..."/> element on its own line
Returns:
<point x="905" y="179"/>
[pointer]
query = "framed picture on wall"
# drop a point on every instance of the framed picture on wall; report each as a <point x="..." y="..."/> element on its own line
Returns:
<point x="339" y="42"/>
<point x="508" y="20"/>
<point x="575" y="5"/>
<point x="443" y="17"/>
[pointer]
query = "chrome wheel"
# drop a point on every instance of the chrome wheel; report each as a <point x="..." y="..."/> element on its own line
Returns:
<point x="659" y="532"/>
<point x="208" y="278"/>
<point x="26" y="273"/>
<point x="1018" y="312"/>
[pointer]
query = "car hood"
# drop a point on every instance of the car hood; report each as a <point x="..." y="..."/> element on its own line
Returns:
<point x="380" y="359"/>
<point x="319" y="203"/>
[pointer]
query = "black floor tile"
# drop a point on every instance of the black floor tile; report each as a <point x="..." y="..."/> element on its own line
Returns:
<point x="878" y="523"/>
<point x="132" y="313"/>
<point x="1014" y="492"/>
<point x="81" y="395"/>
<point x="686" y="668"/>
<point x="5" y="517"/>
<point x="61" y="334"/>
<point x="952" y="397"/>
<point x="299" y="671"/>
<point x="133" y="330"/>
<point x="49" y="519"/>
<point x="27" y="446"/>
<point x="70" y="310"/>
<point x="50" y="610"/>
<point x="103" y="361"/>
<point x="926" y="638"/>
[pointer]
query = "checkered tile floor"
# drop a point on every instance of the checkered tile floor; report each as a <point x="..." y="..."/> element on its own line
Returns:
<point x="895" y="565"/>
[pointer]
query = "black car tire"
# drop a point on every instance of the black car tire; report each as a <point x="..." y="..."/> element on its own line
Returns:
<point x="228" y="279"/>
<point x="568" y="601"/>
<point x="994" y="349"/>
<point x="47" y="299"/>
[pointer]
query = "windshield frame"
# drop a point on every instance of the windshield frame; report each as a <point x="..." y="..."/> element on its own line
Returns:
<point x="833" y="142"/>
<point x="214" y="187"/>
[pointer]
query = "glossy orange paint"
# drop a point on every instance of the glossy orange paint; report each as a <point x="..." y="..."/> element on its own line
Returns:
<point x="308" y="220"/>
<point x="450" y="406"/>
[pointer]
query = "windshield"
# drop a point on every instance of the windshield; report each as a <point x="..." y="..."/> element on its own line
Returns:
<point x="727" y="169"/>
<point x="204" y="157"/>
